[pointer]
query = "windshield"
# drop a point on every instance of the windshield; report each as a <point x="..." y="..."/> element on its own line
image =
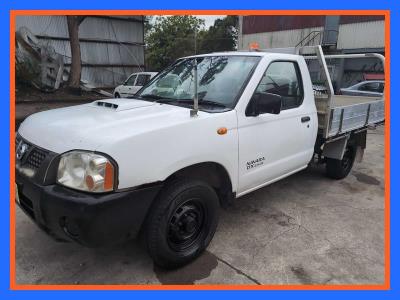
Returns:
<point x="220" y="81"/>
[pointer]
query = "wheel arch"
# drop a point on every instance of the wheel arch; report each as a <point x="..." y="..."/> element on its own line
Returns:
<point x="214" y="174"/>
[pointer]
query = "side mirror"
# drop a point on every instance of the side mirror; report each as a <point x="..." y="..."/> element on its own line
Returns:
<point x="264" y="103"/>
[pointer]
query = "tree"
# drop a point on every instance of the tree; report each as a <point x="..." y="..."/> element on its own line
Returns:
<point x="170" y="38"/>
<point x="74" y="79"/>
<point x="222" y="36"/>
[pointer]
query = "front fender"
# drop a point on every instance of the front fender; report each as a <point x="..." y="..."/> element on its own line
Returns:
<point x="155" y="155"/>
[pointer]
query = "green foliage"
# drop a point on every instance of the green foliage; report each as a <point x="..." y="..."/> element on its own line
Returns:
<point x="222" y="36"/>
<point x="172" y="37"/>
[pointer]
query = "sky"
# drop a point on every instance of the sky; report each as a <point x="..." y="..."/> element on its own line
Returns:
<point x="209" y="20"/>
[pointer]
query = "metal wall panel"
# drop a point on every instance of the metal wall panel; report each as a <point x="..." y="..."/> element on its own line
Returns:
<point x="100" y="53"/>
<point x="360" y="19"/>
<point x="44" y="25"/>
<point x="257" y="24"/>
<point x="111" y="29"/>
<point x="362" y="35"/>
<point x="108" y="76"/>
<point x="276" y="39"/>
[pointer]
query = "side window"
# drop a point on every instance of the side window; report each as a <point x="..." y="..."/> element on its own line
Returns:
<point x="131" y="80"/>
<point x="283" y="78"/>
<point x="142" y="79"/>
<point x="370" y="87"/>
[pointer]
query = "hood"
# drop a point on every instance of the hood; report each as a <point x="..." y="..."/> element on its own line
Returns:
<point x="89" y="126"/>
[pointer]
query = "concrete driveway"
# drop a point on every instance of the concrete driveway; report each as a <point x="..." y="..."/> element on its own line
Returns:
<point x="305" y="229"/>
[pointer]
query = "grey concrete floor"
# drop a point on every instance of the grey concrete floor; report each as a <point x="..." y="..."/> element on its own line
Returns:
<point x="305" y="229"/>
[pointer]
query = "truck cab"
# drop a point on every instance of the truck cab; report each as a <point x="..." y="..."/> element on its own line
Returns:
<point x="206" y="130"/>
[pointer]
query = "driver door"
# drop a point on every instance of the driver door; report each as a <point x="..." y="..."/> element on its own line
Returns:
<point x="274" y="145"/>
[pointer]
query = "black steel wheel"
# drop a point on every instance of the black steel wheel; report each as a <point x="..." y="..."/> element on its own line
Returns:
<point x="186" y="225"/>
<point x="181" y="223"/>
<point x="339" y="169"/>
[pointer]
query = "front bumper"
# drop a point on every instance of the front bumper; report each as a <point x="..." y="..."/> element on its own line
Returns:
<point x="89" y="219"/>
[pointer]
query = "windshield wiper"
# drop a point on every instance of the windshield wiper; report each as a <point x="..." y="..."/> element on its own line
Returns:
<point x="210" y="102"/>
<point x="153" y="97"/>
<point x="190" y="101"/>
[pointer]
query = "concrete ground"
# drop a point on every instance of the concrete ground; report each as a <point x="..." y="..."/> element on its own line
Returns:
<point x="305" y="229"/>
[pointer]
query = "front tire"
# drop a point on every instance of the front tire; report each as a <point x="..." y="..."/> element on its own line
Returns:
<point x="339" y="169"/>
<point x="182" y="223"/>
<point x="117" y="95"/>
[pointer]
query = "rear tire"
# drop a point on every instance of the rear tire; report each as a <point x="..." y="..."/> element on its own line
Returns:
<point x="182" y="223"/>
<point x="339" y="169"/>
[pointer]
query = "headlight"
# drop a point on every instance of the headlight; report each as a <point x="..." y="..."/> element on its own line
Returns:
<point x="86" y="171"/>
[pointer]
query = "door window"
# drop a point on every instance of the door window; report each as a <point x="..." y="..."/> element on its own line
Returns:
<point x="131" y="80"/>
<point x="142" y="79"/>
<point x="283" y="78"/>
<point x="370" y="87"/>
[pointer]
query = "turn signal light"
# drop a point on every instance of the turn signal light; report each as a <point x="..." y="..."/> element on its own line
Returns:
<point x="222" y="130"/>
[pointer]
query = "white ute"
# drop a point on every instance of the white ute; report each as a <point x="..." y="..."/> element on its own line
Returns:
<point x="208" y="129"/>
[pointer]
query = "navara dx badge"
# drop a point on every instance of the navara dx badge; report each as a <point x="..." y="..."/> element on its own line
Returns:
<point x="255" y="163"/>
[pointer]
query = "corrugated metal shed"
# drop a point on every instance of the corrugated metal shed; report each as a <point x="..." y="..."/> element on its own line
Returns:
<point x="355" y="32"/>
<point x="112" y="47"/>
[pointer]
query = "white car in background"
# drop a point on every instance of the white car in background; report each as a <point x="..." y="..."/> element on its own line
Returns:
<point x="370" y="88"/>
<point x="133" y="84"/>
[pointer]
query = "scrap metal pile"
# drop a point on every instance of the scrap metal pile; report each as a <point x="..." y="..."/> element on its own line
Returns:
<point x="37" y="63"/>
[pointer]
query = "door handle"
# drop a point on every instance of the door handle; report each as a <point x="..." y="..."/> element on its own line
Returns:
<point x="305" y="119"/>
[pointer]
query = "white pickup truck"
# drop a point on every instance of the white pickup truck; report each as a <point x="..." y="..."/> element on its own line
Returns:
<point x="208" y="129"/>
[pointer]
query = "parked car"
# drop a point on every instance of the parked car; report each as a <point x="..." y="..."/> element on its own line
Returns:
<point x="370" y="88"/>
<point x="133" y="84"/>
<point x="209" y="129"/>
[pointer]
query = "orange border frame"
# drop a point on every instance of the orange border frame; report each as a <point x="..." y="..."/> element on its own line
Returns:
<point x="15" y="286"/>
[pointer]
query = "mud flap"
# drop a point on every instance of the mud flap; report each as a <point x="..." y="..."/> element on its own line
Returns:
<point x="359" y="154"/>
<point x="335" y="149"/>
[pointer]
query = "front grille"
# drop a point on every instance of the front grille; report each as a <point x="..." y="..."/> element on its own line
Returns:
<point x="33" y="157"/>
